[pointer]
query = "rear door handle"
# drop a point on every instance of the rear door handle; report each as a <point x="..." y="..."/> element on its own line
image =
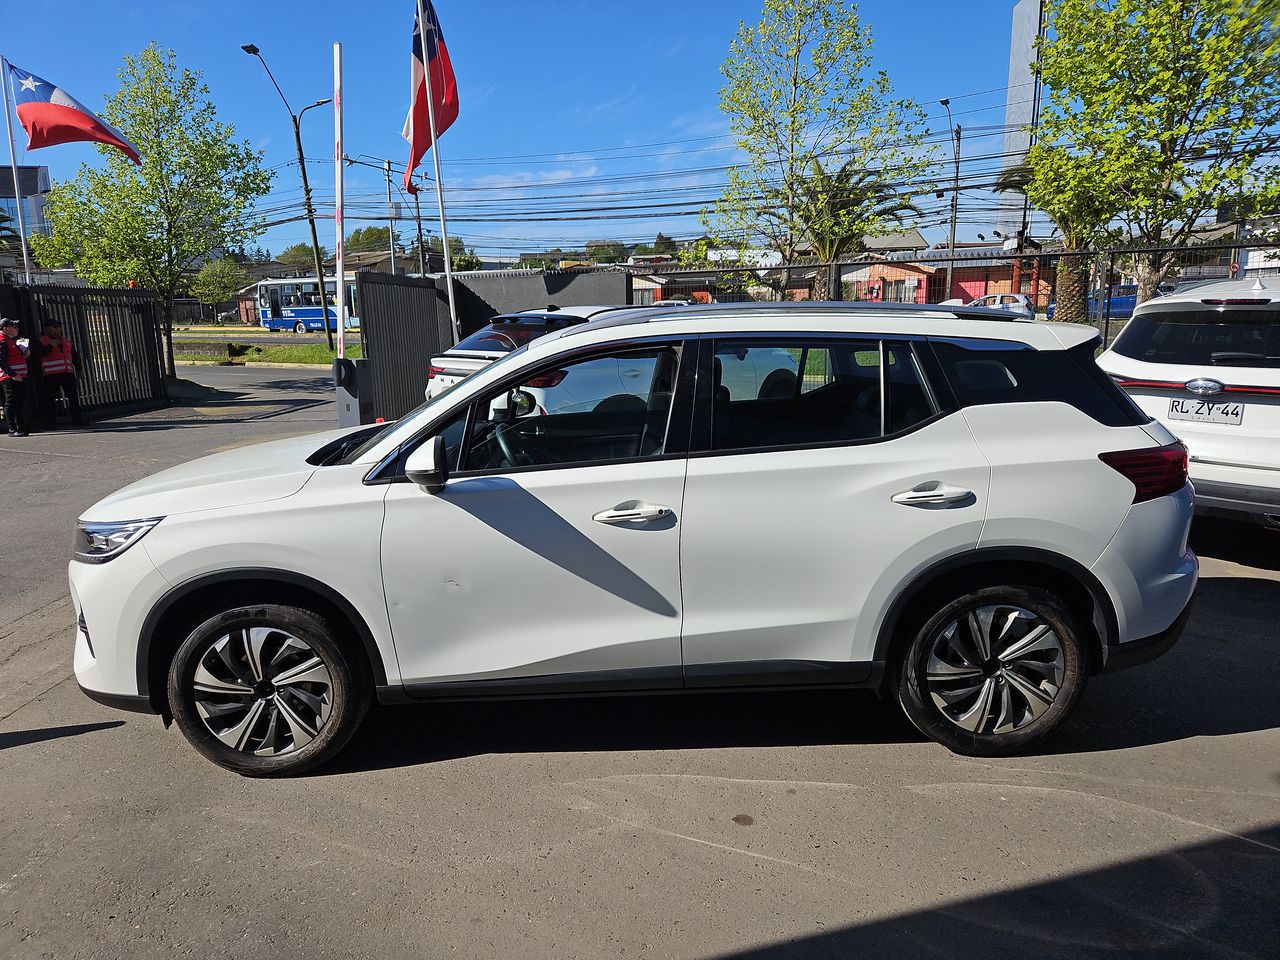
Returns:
<point x="935" y="493"/>
<point x="632" y="513"/>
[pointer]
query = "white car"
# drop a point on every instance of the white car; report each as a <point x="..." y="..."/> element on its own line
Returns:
<point x="1205" y="361"/>
<point x="1018" y="304"/>
<point x="498" y="338"/>
<point x="965" y="513"/>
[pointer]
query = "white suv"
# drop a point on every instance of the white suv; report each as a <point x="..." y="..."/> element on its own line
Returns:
<point x="966" y="513"/>
<point x="1205" y="360"/>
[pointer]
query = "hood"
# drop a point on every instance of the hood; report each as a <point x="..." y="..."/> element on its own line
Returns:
<point x="253" y="474"/>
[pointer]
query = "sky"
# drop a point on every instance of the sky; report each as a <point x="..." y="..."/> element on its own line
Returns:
<point x="566" y="106"/>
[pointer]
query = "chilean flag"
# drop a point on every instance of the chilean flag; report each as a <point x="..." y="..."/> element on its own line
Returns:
<point x="51" y="116"/>
<point x="444" y="89"/>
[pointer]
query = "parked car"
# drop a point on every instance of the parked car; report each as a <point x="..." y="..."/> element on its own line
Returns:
<point x="964" y="513"/>
<point x="1017" y="304"/>
<point x="502" y="335"/>
<point x="1124" y="299"/>
<point x="1205" y="361"/>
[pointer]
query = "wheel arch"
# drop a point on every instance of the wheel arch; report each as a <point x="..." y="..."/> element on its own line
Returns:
<point x="1083" y="593"/>
<point x="189" y="604"/>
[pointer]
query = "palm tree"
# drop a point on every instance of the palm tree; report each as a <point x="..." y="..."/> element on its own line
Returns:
<point x="839" y="208"/>
<point x="1064" y="186"/>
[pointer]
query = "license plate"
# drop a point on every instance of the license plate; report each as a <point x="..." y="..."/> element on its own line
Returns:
<point x="1206" y="411"/>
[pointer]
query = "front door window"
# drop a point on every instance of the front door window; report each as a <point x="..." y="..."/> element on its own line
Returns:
<point x="603" y="409"/>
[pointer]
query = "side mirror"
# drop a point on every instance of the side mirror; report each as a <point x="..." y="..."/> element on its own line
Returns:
<point x="522" y="403"/>
<point x="427" y="466"/>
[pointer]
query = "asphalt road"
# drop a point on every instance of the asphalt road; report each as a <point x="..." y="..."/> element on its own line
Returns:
<point x="776" y="826"/>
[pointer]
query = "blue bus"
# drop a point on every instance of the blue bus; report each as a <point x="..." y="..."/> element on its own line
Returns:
<point x="293" y="304"/>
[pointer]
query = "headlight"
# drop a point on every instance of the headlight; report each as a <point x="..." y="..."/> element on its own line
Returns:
<point x="100" y="542"/>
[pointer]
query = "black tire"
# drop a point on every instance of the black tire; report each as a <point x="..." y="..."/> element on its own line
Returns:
<point x="910" y="677"/>
<point x="299" y="328"/>
<point x="346" y="690"/>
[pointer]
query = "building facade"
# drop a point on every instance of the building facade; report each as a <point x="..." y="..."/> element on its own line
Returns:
<point x="33" y="184"/>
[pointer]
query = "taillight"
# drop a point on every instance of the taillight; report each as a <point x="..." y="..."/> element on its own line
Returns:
<point x="1154" y="472"/>
<point x="551" y="378"/>
<point x="433" y="372"/>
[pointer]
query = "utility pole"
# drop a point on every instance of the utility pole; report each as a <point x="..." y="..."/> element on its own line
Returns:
<point x="422" y="250"/>
<point x="955" y="199"/>
<point x="391" y="217"/>
<point x="253" y="51"/>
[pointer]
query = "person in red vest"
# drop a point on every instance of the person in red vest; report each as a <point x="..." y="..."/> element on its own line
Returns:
<point x="60" y="365"/>
<point x="13" y="377"/>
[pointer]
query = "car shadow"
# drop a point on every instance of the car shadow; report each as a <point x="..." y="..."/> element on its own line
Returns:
<point x="1221" y="678"/>
<point x="1207" y="900"/>
<point x="1248" y="544"/>
<point x="429" y="733"/>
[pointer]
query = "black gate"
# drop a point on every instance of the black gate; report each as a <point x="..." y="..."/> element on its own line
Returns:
<point x="115" y="332"/>
<point x="404" y="322"/>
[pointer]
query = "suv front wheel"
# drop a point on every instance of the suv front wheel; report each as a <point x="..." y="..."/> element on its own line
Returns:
<point x="266" y="690"/>
<point x="992" y="671"/>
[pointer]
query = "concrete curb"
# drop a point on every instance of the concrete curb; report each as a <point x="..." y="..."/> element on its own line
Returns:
<point x="254" y="363"/>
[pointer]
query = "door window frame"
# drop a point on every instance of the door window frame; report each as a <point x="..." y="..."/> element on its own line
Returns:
<point x="679" y="419"/>
<point x="932" y="381"/>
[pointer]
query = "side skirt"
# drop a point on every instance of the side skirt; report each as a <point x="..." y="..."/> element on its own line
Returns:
<point x="701" y="678"/>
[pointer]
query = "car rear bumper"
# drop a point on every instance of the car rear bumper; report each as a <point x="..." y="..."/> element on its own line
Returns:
<point x="1219" y="496"/>
<point x="1136" y="652"/>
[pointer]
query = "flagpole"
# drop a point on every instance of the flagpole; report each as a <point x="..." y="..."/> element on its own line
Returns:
<point x="13" y="166"/>
<point x="339" y="200"/>
<point x="435" y="157"/>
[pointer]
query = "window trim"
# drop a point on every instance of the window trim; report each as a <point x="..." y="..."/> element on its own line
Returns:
<point x="391" y="470"/>
<point x="701" y="436"/>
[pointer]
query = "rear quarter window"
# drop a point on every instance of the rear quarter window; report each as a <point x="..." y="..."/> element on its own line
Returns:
<point x="982" y="377"/>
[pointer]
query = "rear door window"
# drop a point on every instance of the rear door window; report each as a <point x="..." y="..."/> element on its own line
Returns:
<point x="1224" y="338"/>
<point x="806" y="392"/>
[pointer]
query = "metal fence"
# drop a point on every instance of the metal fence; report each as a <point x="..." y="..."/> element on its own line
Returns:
<point x="1105" y="277"/>
<point x="404" y="322"/>
<point x="115" y="332"/>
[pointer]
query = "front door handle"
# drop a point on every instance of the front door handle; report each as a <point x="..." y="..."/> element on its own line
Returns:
<point x="935" y="493"/>
<point x="632" y="513"/>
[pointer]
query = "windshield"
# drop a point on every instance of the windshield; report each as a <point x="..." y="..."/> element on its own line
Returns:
<point x="1243" y="338"/>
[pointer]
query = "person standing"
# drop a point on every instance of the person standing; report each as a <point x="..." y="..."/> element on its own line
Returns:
<point x="60" y="368"/>
<point x="13" y="378"/>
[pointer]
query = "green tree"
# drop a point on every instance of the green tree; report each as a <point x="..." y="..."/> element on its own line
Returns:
<point x="461" y="259"/>
<point x="192" y="195"/>
<point x="300" y="255"/>
<point x="218" y="281"/>
<point x="608" y="253"/>
<point x="800" y="90"/>
<point x="370" y="240"/>
<point x="841" y="206"/>
<point x="1174" y="105"/>
<point x="1068" y="187"/>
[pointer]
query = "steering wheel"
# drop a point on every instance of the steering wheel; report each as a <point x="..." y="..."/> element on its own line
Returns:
<point x="512" y="443"/>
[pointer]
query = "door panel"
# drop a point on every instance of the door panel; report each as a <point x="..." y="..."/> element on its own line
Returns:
<point x="795" y="555"/>
<point x="509" y="576"/>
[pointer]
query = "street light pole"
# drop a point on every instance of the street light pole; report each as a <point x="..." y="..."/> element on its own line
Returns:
<point x="955" y="198"/>
<point x="253" y="51"/>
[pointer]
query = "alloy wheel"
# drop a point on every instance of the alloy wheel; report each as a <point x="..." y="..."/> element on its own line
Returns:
<point x="263" y="691"/>
<point x="994" y="668"/>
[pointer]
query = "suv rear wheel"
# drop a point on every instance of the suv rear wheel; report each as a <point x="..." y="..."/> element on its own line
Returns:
<point x="267" y="690"/>
<point x="992" y="671"/>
